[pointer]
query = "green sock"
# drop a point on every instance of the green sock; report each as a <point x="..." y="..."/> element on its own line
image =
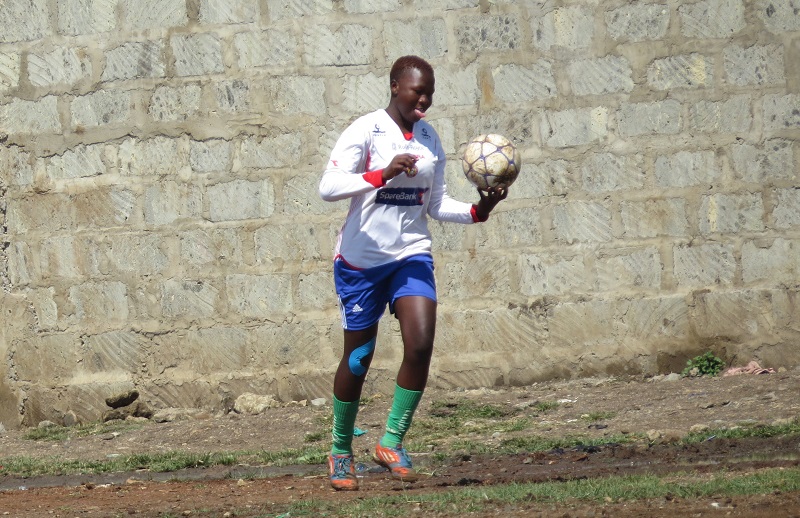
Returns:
<point x="403" y="407"/>
<point x="344" y="422"/>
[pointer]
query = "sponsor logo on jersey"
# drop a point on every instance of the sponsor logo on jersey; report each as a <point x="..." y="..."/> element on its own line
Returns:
<point x="405" y="196"/>
<point x="357" y="309"/>
<point x="425" y="134"/>
<point x="378" y="130"/>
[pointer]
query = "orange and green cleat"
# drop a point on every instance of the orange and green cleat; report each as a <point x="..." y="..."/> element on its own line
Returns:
<point x="397" y="461"/>
<point x="343" y="472"/>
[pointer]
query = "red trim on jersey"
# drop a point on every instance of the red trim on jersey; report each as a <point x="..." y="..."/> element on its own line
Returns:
<point x="375" y="178"/>
<point x="339" y="257"/>
<point x="408" y="136"/>
<point x="474" y="213"/>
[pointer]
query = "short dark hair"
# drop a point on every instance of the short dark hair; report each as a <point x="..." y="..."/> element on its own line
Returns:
<point x="406" y="63"/>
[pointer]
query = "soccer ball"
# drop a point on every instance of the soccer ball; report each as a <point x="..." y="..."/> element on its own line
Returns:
<point x="490" y="161"/>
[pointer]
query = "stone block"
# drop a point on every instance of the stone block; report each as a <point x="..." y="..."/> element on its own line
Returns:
<point x="771" y="262"/>
<point x="241" y="199"/>
<point x="574" y="127"/>
<point x="101" y="108"/>
<point x="547" y="178"/>
<point x="300" y="197"/>
<point x="511" y="229"/>
<point x="228" y="11"/>
<point x="649" y="118"/>
<point x="45" y="308"/>
<point x="153" y="14"/>
<point x="731" y="213"/>
<point x="569" y="27"/>
<point x="105" y="207"/>
<point x="468" y="279"/>
<point x="552" y="274"/>
<point x="281" y="150"/>
<point x="115" y="351"/>
<point x="786" y="213"/>
<point x="779" y="16"/>
<point x="582" y="221"/>
<point x="77" y="17"/>
<point x="24" y="20"/>
<point x="158" y="156"/>
<point x="10" y="69"/>
<point x="61" y="66"/>
<point x="295" y="344"/>
<point x="43" y="213"/>
<point x="517" y="83"/>
<point x="731" y="115"/>
<point x="457" y="86"/>
<point x="766" y="164"/>
<point x="628" y="269"/>
<point x="174" y="104"/>
<point x="426" y="38"/>
<point x="654" y="218"/>
<point x="316" y="292"/>
<point x="340" y="45"/>
<point x="371" y="6"/>
<point x="17" y="166"/>
<point x="638" y="21"/>
<point x="687" y="168"/>
<point x="189" y="299"/>
<point x="584" y="323"/>
<point x="134" y="60"/>
<point x="479" y="33"/>
<point x="712" y="18"/>
<point x="139" y="254"/>
<point x="754" y="66"/>
<point x="103" y="302"/>
<point x="168" y="202"/>
<point x="598" y="76"/>
<point x="234" y="96"/>
<point x="31" y="117"/>
<point x="295" y="9"/>
<point x="661" y="319"/>
<point x="781" y="112"/>
<point x="704" y="265"/>
<point x="197" y="54"/>
<point x="606" y="172"/>
<point x="364" y="93"/>
<point x="447" y="237"/>
<point x="298" y="95"/>
<point x="733" y="315"/>
<point x="259" y="296"/>
<point x="62" y="256"/>
<point x="287" y="246"/>
<point x="682" y="71"/>
<point x="48" y="359"/>
<point x="210" y="156"/>
<point x="80" y="162"/>
<point x="204" y="249"/>
<point x="265" y="48"/>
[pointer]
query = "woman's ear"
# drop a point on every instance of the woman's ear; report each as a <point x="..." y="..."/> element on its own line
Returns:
<point x="393" y="86"/>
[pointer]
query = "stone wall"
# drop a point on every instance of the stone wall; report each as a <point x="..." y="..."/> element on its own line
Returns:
<point x="162" y="229"/>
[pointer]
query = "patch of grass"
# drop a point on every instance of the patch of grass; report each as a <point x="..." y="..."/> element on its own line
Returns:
<point x="494" y="499"/>
<point x="466" y="409"/>
<point x="62" y="433"/>
<point x="160" y="462"/>
<point x="307" y="455"/>
<point x="743" y="432"/>
<point x="315" y="436"/>
<point x="545" y="406"/>
<point x="593" y="417"/>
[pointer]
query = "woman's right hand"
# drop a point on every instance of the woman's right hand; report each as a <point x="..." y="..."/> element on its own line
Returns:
<point x="403" y="163"/>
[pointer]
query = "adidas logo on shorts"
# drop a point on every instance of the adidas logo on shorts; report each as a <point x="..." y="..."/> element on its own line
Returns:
<point x="357" y="309"/>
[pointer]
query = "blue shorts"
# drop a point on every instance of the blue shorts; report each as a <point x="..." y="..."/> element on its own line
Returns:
<point x="364" y="293"/>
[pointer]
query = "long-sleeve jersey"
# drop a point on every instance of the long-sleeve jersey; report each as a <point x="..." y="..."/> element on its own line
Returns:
<point x="388" y="222"/>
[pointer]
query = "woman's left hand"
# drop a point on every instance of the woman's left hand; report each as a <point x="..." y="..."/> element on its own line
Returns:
<point x="489" y="200"/>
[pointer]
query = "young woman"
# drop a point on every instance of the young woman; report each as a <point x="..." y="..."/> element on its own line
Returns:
<point x="390" y="163"/>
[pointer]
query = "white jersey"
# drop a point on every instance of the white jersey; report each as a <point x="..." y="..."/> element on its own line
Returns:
<point x="388" y="222"/>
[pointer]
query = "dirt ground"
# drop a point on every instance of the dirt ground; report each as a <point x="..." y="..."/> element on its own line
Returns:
<point x="664" y="409"/>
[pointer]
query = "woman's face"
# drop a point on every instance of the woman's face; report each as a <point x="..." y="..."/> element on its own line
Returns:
<point x="413" y="94"/>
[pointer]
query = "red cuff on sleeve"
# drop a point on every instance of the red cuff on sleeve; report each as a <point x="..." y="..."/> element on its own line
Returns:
<point x="474" y="212"/>
<point x="374" y="177"/>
